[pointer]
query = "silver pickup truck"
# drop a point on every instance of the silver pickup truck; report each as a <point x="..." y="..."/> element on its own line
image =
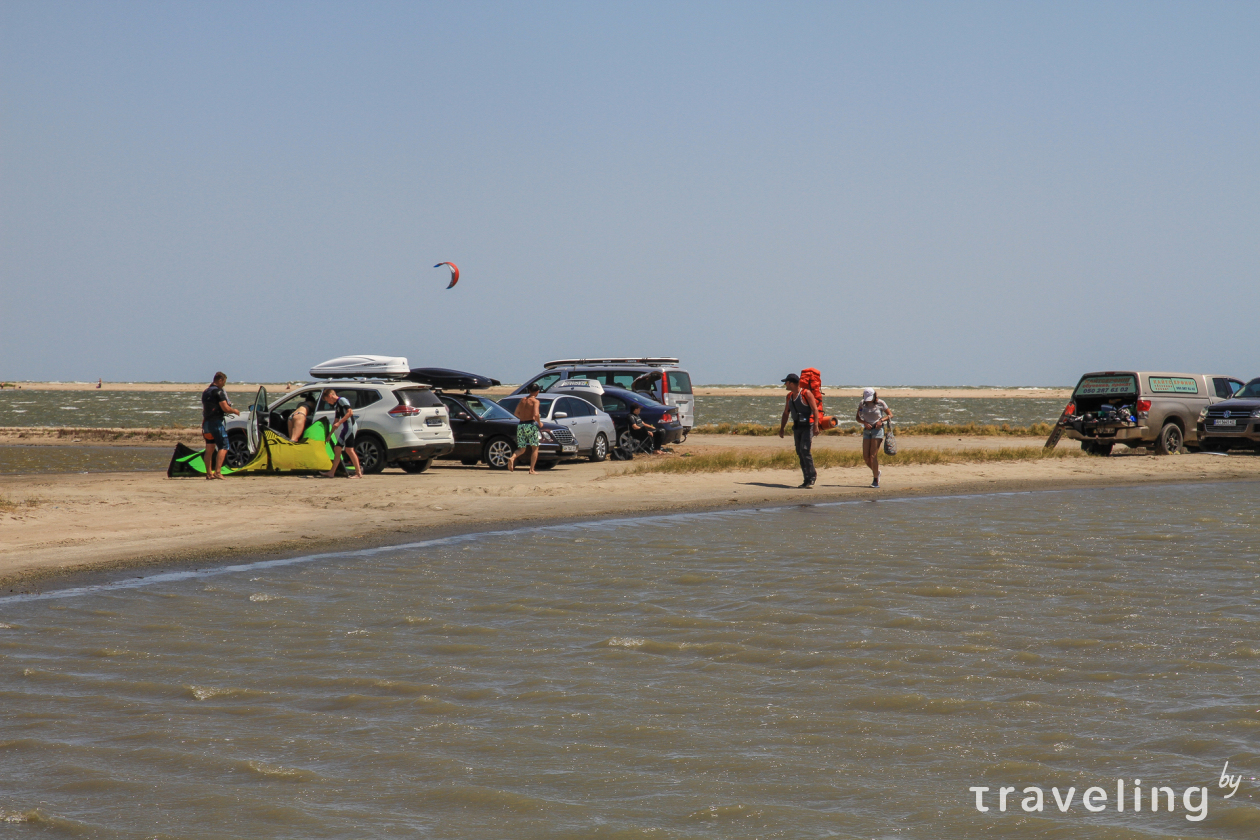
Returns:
<point x="1157" y="411"/>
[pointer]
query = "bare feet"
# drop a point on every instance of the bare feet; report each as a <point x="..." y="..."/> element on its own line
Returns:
<point x="533" y="472"/>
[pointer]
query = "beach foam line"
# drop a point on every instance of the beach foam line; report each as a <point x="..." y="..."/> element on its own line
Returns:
<point x="473" y="536"/>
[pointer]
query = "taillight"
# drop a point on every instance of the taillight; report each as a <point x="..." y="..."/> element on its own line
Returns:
<point x="404" y="411"/>
<point x="667" y="418"/>
<point x="1070" y="409"/>
<point x="1143" y="405"/>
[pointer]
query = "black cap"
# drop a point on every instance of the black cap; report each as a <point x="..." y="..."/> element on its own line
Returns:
<point x="791" y="377"/>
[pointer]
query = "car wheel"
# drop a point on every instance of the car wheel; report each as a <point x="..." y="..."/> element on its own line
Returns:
<point x="600" y="450"/>
<point x="625" y="440"/>
<point x="238" y="451"/>
<point x="1170" y="440"/>
<point x="498" y="452"/>
<point x="371" y="451"/>
<point x="416" y="467"/>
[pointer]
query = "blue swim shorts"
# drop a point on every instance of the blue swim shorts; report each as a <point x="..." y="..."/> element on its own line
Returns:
<point x="873" y="434"/>
<point x="216" y="431"/>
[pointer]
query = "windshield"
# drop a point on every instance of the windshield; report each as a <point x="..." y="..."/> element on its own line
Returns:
<point x="487" y="409"/>
<point x="1107" y="386"/>
<point x="1250" y="391"/>
<point x="510" y="403"/>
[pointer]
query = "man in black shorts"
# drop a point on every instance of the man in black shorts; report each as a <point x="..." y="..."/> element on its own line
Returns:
<point x="214" y="405"/>
<point x="343" y="429"/>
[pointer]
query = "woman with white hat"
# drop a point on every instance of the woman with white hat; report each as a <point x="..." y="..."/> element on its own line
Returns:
<point x="872" y="413"/>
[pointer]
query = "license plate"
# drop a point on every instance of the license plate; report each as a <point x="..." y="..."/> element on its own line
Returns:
<point x="1226" y="423"/>
<point x="568" y="449"/>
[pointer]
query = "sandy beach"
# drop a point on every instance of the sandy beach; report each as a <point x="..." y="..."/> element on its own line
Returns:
<point x="54" y="525"/>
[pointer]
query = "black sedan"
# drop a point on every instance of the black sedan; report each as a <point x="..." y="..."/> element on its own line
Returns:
<point x="486" y="432"/>
<point x="619" y="401"/>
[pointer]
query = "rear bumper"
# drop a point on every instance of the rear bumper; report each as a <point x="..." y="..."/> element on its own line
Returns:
<point x="419" y="452"/>
<point x="1109" y="433"/>
<point x="667" y="436"/>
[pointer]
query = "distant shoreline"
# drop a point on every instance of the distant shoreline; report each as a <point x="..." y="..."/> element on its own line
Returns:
<point x="842" y="391"/>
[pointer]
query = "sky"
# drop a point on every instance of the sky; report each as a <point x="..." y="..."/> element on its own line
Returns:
<point x="896" y="193"/>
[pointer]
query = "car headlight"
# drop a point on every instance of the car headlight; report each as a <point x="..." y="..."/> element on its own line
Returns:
<point x="1203" y="415"/>
<point x="1255" y="412"/>
<point x="547" y="438"/>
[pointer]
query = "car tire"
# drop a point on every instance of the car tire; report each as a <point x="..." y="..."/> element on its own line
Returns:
<point x="600" y="450"/>
<point x="372" y="453"/>
<point x="1170" y="440"/>
<point x="625" y="441"/>
<point x="238" y="451"/>
<point x="497" y="453"/>
<point x="416" y="467"/>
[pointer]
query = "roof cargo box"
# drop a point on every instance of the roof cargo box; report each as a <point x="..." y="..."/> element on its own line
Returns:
<point x="369" y="367"/>
<point x="451" y="380"/>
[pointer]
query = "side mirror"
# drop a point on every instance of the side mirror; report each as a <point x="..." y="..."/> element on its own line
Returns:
<point x="560" y="415"/>
<point x="463" y="415"/>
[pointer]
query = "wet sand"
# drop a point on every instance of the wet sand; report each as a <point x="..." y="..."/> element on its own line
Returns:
<point x="54" y="525"/>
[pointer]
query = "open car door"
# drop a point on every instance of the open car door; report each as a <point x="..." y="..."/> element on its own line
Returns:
<point x="257" y="420"/>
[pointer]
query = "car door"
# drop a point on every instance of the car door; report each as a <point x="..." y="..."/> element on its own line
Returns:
<point x="578" y="421"/>
<point x="467" y="428"/>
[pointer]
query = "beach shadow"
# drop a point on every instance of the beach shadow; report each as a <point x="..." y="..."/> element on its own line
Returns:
<point x="768" y="484"/>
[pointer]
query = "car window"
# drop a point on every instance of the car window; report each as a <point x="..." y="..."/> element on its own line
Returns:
<point x="613" y="404"/>
<point x="1235" y="385"/>
<point x="453" y="407"/>
<point x="417" y="397"/>
<point x="608" y="377"/>
<point x="1173" y="385"/>
<point x="294" y="401"/>
<point x="679" y="382"/>
<point x="547" y="380"/>
<point x="489" y="409"/>
<point x="1251" y="390"/>
<point x="1224" y="388"/>
<point x="1107" y="386"/>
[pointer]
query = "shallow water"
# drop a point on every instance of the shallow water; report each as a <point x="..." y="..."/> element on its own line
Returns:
<point x="845" y="670"/>
<point x="82" y="459"/>
<point x="155" y="409"/>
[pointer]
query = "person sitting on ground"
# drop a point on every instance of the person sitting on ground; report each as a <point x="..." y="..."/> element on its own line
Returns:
<point x="639" y="429"/>
<point x="299" y="418"/>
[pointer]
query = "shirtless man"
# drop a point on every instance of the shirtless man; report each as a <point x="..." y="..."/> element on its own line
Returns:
<point x="529" y="432"/>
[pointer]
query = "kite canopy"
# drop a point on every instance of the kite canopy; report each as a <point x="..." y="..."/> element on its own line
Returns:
<point x="312" y="453"/>
<point x="454" y="272"/>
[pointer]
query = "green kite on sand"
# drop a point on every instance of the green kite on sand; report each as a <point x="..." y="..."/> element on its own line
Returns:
<point x="273" y="453"/>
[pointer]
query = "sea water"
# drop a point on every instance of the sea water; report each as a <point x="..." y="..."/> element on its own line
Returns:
<point x="159" y="409"/>
<point x="844" y="670"/>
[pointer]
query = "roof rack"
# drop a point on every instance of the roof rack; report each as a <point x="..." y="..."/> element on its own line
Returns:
<point x="653" y="361"/>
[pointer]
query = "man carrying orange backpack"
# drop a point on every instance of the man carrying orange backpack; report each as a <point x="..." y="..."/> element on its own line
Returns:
<point x="803" y="408"/>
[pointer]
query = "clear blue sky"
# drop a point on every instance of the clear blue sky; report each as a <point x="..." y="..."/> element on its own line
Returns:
<point x="896" y="193"/>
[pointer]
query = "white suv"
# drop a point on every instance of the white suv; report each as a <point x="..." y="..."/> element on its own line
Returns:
<point x="400" y="423"/>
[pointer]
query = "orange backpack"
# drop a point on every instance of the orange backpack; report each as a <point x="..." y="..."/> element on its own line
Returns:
<point x="811" y="380"/>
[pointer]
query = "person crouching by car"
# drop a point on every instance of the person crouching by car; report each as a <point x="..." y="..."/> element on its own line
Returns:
<point x="343" y="429"/>
<point x="873" y="413"/>
<point x="214" y="405"/>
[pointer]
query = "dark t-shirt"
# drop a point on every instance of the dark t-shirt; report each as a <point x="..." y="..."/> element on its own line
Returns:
<point x="210" y="399"/>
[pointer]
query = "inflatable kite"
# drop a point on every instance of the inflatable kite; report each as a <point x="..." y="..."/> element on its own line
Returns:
<point x="454" y="272"/>
<point x="312" y="453"/>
